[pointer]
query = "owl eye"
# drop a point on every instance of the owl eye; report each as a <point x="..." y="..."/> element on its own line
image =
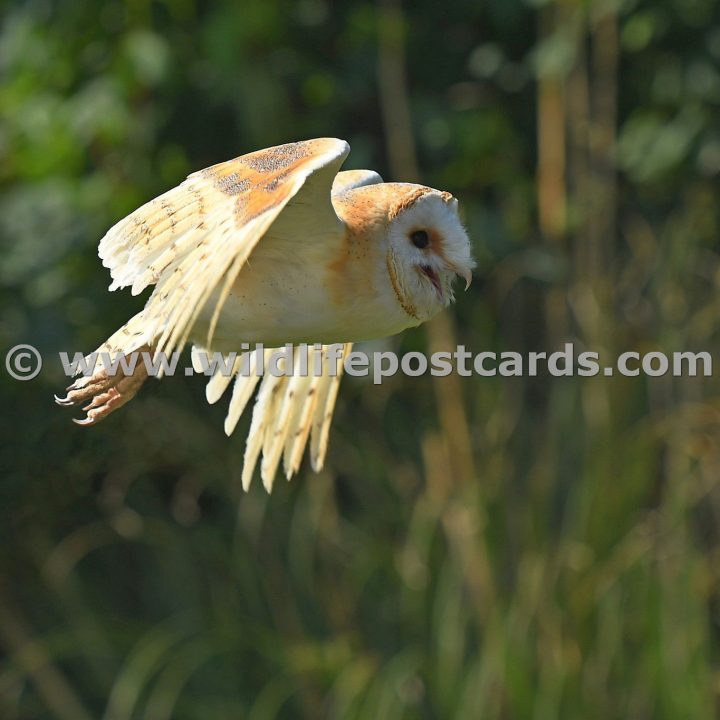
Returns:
<point x="420" y="239"/>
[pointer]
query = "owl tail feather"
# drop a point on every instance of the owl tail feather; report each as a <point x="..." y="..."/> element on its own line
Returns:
<point x="113" y="374"/>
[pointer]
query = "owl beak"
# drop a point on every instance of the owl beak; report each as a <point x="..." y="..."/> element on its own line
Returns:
<point x="464" y="273"/>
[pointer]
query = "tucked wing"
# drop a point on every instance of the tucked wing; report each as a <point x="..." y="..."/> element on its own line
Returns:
<point x="192" y="242"/>
<point x="351" y="179"/>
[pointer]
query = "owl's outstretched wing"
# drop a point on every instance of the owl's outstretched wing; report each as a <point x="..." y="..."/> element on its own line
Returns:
<point x="192" y="242"/>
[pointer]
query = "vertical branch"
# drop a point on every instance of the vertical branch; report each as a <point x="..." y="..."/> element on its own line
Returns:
<point x="551" y="142"/>
<point x="602" y="200"/>
<point x="394" y="102"/>
<point x="395" y="106"/>
<point x="585" y="197"/>
<point x="578" y="122"/>
<point x="551" y="165"/>
<point x="449" y="397"/>
<point x="605" y="56"/>
<point x="592" y="120"/>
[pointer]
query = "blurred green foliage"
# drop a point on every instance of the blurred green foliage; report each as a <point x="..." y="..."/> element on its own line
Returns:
<point x="477" y="547"/>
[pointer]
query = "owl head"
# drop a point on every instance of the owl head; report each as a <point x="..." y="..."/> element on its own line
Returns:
<point x="427" y="247"/>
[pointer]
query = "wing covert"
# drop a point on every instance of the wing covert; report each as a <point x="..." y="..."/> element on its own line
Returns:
<point x="194" y="239"/>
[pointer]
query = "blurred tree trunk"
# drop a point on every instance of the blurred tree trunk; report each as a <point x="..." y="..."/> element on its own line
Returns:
<point x="576" y="177"/>
<point x="404" y="166"/>
<point x="601" y="223"/>
<point x="551" y="169"/>
<point x="552" y="164"/>
<point x="459" y="467"/>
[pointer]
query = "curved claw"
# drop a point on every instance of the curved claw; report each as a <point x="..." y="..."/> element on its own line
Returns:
<point x="102" y="393"/>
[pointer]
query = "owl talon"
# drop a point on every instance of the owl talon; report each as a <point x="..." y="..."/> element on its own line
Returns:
<point x="102" y="394"/>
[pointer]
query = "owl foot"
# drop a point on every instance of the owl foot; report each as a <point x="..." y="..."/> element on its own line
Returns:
<point x="105" y="393"/>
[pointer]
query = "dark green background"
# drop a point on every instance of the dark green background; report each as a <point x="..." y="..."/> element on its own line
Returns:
<point x="476" y="547"/>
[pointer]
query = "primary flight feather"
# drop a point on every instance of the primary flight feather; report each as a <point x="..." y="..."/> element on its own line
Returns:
<point x="271" y="248"/>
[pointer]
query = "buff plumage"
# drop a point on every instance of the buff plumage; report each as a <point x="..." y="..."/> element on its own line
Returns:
<point x="277" y="247"/>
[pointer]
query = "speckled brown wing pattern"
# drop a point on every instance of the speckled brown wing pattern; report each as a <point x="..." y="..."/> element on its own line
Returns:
<point x="193" y="240"/>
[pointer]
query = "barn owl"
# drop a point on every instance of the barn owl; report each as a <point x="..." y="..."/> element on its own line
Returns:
<point x="277" y="247"/>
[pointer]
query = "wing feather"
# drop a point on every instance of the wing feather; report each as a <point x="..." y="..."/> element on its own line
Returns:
<point x="242" y="390"/>
<point x="134" y="243"/>
<point x="300" y="423"/>
<point x="286" y="411"/>
<point x="277" y="430"/>
<point x="192" y="242"/>
<point x="322" y="415"/>
<point x="220" y="380"/>
<point x="265" y="407"/>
